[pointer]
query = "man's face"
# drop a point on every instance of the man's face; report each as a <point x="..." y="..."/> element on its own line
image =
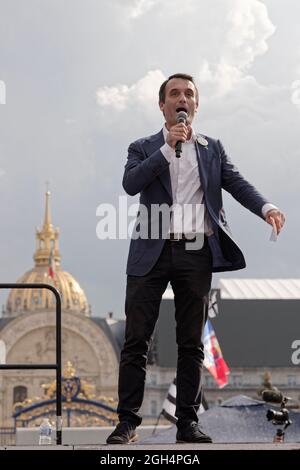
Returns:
<point x="180" y="95"/>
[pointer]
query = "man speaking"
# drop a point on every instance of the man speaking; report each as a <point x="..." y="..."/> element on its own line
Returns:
<point x="179" y="169"/>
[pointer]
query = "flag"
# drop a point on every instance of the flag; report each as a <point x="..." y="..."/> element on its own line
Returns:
<point x="213" y="309"/>
<point x="213" y="358"/>
<point x="51" y="267"/>
<point x="169" y="404"/>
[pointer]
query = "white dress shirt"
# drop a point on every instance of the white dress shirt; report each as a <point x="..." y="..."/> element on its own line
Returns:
<point x="189" y="214"/>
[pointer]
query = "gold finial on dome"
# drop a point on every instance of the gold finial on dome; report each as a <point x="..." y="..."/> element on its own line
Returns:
<point x="47" y="239"/>
<point x="47" y="221"/>
<point x="47" y="270"/>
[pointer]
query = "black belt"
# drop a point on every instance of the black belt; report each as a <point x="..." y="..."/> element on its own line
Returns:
<point x="177" y="237"/>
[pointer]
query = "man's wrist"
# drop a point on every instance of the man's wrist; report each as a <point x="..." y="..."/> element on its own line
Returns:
<point x="268" y="207"/>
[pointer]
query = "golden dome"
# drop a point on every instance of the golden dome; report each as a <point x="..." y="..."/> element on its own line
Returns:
<point x="47" y="270"/>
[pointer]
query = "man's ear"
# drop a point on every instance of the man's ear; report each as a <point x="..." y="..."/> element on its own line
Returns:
<point x="161" y="106"/>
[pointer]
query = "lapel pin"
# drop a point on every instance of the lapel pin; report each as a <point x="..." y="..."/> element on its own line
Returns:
<point x="202" y="141"/>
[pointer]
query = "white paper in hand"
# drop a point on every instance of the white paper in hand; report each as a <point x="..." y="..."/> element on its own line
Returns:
<point x="273" y="237"/>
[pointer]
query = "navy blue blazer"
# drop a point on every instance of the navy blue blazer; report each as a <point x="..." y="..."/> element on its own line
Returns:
<point x="147" y="172"/>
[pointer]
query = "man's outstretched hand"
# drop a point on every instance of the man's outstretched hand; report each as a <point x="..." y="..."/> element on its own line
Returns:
<point x="275" y="218"/>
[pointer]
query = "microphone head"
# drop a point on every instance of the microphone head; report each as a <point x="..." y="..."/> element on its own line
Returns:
<point x="181" y="116"/>
<point x="272" y="396"/>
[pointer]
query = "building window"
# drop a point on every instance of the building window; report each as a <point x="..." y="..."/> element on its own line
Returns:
<point x="236" y="380"/>
<point x="210" y="381"/>
<point x="153" y="408"/>
<point x="153" y="379"/>
<point x="20" y="393"/>
<point x="292" y="380"/>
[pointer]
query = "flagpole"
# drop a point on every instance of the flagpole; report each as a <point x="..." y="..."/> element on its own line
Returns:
<point x="156" y="424"/>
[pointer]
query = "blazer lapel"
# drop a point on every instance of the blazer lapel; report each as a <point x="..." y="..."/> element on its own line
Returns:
<point x="152" y="144"/>
<point x="202" y="152"/>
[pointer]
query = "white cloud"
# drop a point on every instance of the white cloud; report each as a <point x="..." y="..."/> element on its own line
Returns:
<point x="114" y="97"/>
<point x="249" y="29"/>
<point x="141" y="7"/>
<point x="220" y="78"/>
<point x="295" y="93"/>
<point x="144" y="92"/>
<point x="219" y="40"/>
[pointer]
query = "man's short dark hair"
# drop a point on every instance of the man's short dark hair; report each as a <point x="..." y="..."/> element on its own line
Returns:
<point x="183" y="76"/>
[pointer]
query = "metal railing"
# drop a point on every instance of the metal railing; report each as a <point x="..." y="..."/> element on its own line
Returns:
<point x="7" y="436"/>
<point x="57" y="365"/>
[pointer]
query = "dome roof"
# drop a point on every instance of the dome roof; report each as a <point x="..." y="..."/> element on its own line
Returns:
<point x="47" y="270"/>
<point x="33" y="300"/>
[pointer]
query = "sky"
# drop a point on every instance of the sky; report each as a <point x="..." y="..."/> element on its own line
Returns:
<point x="79" y="82"/>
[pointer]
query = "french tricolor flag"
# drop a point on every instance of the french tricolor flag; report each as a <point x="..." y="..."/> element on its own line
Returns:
<point x="213" y="360"/>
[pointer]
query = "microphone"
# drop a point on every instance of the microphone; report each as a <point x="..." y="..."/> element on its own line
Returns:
<point x="181" y="117"/>
<point x="272" y="396"/>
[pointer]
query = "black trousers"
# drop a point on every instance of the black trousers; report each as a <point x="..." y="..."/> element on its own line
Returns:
<point x="190" y="274"/>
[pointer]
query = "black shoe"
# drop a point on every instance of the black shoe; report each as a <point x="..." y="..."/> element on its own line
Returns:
<point x="123" y="434"/>
<point x="192" y="433"/>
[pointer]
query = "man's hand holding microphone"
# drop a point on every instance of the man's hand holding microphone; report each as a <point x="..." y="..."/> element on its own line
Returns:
<point x="179" y="133"/>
